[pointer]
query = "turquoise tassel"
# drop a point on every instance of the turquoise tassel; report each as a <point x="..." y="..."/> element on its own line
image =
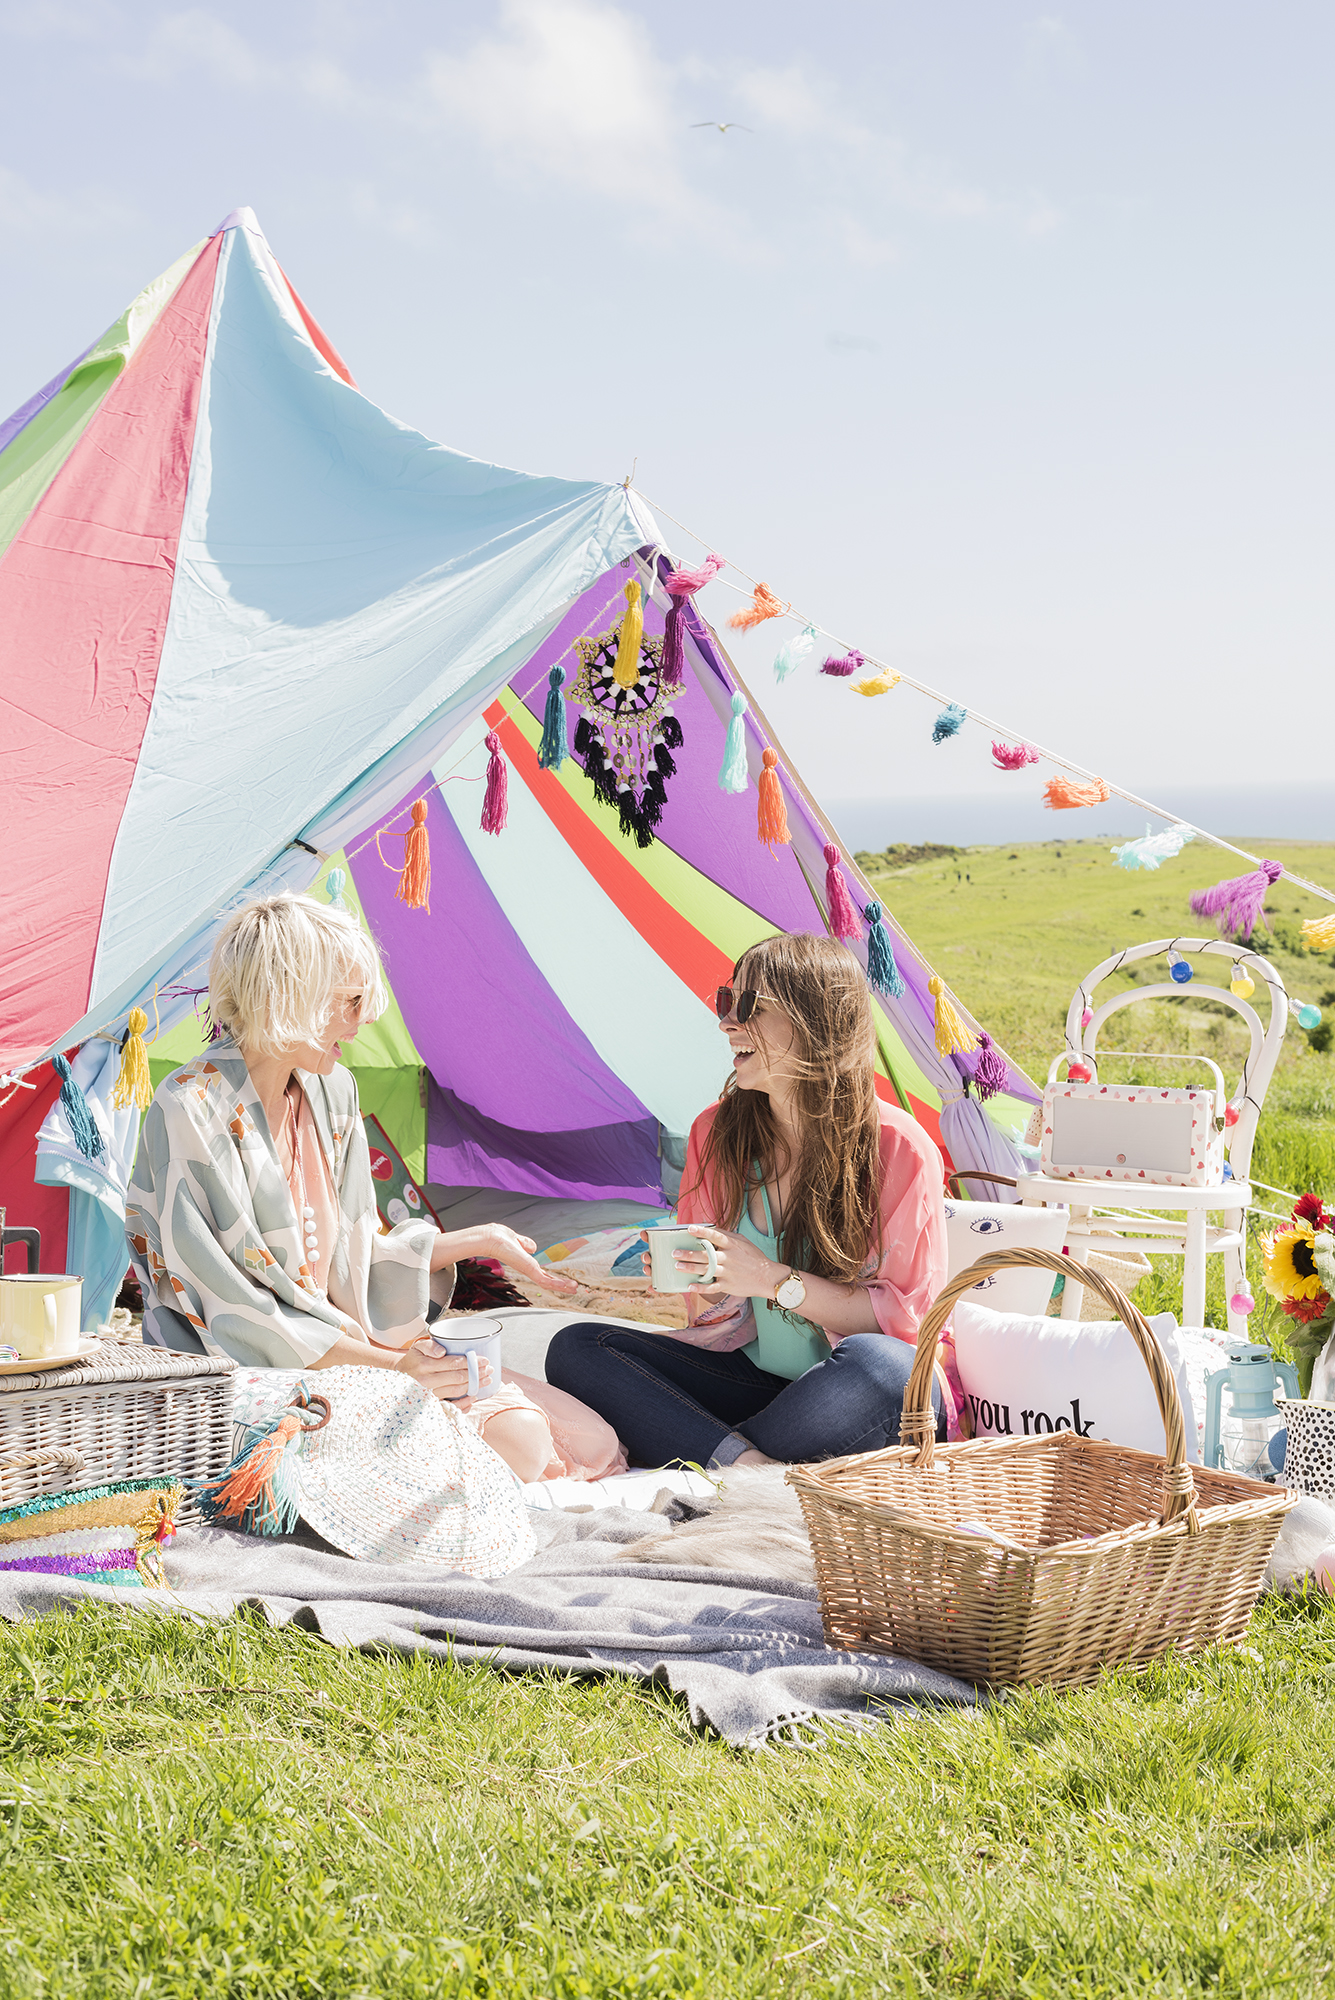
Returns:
<point x="733" y="776"/>
<point x="82" y="1124"/>
<point x="555" y="745"/>
<point x="793" y="651"/>
<point x="950" y="722"/>
<point x="336" y="881"/>
<point x="882" y="972"/>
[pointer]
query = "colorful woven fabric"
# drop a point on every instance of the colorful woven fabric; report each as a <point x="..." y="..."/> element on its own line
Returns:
<point x="114" y="1533"/>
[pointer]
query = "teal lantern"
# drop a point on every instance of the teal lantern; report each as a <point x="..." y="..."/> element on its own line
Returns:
<point x="1248" y="1436"/>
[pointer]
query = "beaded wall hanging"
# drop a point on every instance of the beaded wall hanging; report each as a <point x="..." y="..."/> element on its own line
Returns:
<point x="626" y="733"/>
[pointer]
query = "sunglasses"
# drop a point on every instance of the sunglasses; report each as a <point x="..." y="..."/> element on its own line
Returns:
<point x="745" y="1002"/>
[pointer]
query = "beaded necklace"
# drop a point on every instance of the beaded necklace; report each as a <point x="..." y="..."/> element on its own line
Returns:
<point x="297" y="1185"/>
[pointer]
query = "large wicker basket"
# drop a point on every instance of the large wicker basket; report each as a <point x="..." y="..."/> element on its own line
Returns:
<point x="127" y="1412"/>
<point x="1091" y="1555"/>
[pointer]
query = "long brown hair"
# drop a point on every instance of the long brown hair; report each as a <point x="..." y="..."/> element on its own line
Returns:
<point x="833" y="1212"/>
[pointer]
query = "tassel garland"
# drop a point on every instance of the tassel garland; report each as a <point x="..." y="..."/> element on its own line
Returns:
<point x="335" y="882"/>
<point x="1236" y="904"/>
<point x="685" y="582"/>
<point x="414" y="890"/>
<point x="840" y="665"/>
<point x="952" y="1036"/>
<point x="950" y="722"/>
<point x="1063" y="792"/>
<point x="78" y="1111"/>
<point x="732" y="775"/>
<point x="764" y="604"/>
<point x="134" y="1085"/>
<point x="844" y="920"/>
<point x="773" y="814"/>
<point x="555" y="745"/>
<point x="880" y="683"/>
<point x="882" y="972"/>
<point x="626" y="672"/>
<point x="1013" y="756"/>
<point x="793" y="651"/>
<point x="1153" y="848"/>
<point x="1319" y="933"/>
<point x="260" y="1492"/>
<point x="495" y="806"/>
<point x="989" y="1072"/>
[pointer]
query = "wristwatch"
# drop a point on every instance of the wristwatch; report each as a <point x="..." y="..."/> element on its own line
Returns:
<point x="791" y="1293"/>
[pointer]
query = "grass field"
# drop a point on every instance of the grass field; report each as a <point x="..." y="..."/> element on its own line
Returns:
<point x="228" y="1811"/>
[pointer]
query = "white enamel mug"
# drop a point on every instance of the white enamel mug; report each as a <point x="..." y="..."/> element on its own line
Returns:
<point x="476" y="1340"/>
<point x="41" y="1315"/>
<point x="664" y="1239"/>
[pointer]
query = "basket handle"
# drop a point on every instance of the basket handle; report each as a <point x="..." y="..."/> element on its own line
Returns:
<point x="918" y="1423"/>
<point x="53" y="1455"/>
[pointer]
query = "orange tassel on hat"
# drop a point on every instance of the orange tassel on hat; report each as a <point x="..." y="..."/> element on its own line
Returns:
<point x="414" y="888"/>
<point x="773" y="813"/>
<point x="1070" y="792"/>
<point x="764" y="604"/>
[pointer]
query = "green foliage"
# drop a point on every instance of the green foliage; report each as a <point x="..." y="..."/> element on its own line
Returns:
<point x="226" y="1811"/>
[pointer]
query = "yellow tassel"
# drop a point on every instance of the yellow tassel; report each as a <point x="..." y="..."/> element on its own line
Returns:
<point x="952" y="1037"/>
<point x="627" y="669"/>
<point x="878" y="683"/>
<point x="134" y="1085"/>
<point x="1319" y="933"/>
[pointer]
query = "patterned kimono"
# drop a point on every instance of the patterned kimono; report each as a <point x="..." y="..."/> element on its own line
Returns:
<point x="216" y="1242"/>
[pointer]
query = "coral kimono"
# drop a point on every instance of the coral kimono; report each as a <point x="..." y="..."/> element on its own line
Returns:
<point x="216" y="1241"/>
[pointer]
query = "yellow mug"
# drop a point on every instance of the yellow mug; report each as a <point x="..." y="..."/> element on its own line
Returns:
<point x="41" y="1316"/>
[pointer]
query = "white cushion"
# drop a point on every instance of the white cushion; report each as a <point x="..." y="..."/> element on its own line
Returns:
<point x="1025" y="1376"/>
<point x="975" y="1227"/>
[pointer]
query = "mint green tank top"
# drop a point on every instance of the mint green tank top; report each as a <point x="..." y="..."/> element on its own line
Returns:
<point x="781" y="1346"/>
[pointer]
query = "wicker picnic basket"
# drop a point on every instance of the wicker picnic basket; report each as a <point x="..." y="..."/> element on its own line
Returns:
<point x="127" y="1412"/>
<point x="1091" y="1555"/>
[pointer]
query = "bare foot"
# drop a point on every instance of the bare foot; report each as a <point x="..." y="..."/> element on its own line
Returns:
<point x="754" y="1457"/>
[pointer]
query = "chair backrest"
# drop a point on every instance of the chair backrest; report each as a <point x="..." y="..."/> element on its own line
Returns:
<point x="1264" y="1043"/>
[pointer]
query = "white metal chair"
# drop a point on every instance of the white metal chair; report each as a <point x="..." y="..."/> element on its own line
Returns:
<point x="1098" y="1207"/>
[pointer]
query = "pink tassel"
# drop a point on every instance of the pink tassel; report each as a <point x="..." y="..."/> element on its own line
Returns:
<point x="1236" y="904"/>
<point x="989" y="1072"/>
<point x="840" y="668"/>
<point x="495" y="806"/>
<point x="685" y="582"/>
<point x="844" y="920"/>
<point x="1008" y="757"/>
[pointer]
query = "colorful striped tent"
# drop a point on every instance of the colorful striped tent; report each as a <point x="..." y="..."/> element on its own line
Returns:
<point x="246" y="619"/>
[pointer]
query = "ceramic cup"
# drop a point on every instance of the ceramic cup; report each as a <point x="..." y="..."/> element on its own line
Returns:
<point x="41" y="1316"/>
<point x="479" y="1340"/>
<point x="664" y="1239"/>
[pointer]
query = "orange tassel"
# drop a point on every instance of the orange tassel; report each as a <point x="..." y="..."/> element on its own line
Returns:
<point x="764" y="604"/>
<point x="415" y="882"/>
<point x="773" y="813"/>
<point x="1070" y="792"/>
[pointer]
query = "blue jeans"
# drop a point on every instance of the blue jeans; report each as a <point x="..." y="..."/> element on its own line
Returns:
<point x="668" y="1400"/>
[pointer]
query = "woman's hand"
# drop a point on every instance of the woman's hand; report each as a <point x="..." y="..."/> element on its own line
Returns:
<point x="743" y="1270"/>
<point x="493" y="1239"/>
<point x="445" y="1375"/>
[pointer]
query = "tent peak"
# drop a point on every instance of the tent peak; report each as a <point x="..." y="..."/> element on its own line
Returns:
<point x="239" y="218"/>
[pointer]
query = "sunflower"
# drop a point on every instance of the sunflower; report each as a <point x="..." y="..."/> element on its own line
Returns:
<point x="1290" y="1268"/>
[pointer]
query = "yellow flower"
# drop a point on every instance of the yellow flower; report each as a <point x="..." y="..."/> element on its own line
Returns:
<point x="1290" y="1268"/>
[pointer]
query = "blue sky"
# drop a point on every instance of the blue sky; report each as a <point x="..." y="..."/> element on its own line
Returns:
<point x="1001" y="343"/>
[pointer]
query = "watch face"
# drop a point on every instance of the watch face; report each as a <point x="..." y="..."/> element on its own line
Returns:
<point x="791" y="1293"/>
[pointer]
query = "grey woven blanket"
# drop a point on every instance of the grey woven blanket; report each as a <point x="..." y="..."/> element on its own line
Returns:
<point x="746" y="1652"/>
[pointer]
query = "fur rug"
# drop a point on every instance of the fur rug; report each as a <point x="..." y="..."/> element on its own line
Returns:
<point x="753" y="1524"/>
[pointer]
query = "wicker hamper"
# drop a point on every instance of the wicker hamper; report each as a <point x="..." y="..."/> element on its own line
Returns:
<point x="1090" y="1555"/>
<point x="129" y="1412"/>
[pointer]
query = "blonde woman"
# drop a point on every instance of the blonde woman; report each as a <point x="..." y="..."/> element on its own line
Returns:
<point x="252" y="1218"/>
<point x="824" y="1207"/>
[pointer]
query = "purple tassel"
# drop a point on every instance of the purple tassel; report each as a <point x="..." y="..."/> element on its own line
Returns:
<point x="842" y="667"/>
<point x="495" y="806"/>
<point x="989" y="1072"/>
<point x="672" y="668"/>
<point x="844" y="922"/>
<point x="1237" y="903"/>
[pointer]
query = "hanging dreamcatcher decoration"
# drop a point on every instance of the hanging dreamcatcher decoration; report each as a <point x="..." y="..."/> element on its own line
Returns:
<point x="627" y="730"/>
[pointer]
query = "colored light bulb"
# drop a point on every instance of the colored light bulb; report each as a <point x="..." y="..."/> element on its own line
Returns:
<point x="1231" y="1114"/>
<point x="1309" y="1017"/>
<point x="1179" y="970"/>
<point x="1077" y="1073"/>
<point x="1242" y="1303"/>
<point x="1241" y="985"/>
<point x="1086" y="1017"/>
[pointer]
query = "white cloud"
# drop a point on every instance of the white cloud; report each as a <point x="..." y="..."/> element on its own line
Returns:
<point x="199" y="40"/>
<point x="29" y="211"/>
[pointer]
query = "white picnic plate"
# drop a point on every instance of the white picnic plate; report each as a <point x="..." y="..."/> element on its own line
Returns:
<point x="31" y="1366"/>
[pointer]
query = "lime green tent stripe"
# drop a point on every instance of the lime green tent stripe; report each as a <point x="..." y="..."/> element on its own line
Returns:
<point x="32" y="459"/>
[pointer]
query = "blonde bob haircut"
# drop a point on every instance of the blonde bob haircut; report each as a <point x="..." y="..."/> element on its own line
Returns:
<point x="278" y="965"/>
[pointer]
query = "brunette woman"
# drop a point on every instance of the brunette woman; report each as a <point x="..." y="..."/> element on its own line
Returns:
<point x="824" y="1207"/>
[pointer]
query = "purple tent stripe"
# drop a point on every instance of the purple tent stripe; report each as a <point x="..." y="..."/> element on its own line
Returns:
<point x="25" y="413"/>
<point x="608" y="1163"/>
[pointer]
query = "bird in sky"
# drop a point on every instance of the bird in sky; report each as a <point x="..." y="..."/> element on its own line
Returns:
<point x="712" y="125"/>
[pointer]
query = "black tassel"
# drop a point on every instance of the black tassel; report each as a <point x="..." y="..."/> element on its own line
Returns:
<point x="584" y="737"/>
<point x="665" y="761"/>
<point x="626" y="802"/>
<point x="672" y="732"/>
